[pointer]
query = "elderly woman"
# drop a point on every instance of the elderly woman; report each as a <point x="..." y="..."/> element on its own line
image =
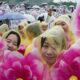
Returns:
<point x="42" y="59"/>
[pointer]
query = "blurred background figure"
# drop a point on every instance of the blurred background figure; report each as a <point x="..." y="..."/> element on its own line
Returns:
<point x="3" y="28"/>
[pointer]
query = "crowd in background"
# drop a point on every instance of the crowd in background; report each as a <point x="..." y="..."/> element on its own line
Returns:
<point x="39" y="43"/>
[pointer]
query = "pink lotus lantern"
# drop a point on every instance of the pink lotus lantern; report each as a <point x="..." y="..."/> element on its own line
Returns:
<point x="14" y="69"/>
<point x="69" y="66"/>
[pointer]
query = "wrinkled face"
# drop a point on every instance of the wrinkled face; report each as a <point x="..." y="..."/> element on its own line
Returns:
<point x="49" y="52"/>
<point x="63" y="25"/>
<point x="12" y="42"/>
<point x="43" y="28"/>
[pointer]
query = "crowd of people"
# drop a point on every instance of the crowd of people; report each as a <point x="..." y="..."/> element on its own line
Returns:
<point x="44" y="47"/>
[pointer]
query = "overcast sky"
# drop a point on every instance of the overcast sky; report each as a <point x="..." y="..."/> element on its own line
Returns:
<point x="64" y="0"/>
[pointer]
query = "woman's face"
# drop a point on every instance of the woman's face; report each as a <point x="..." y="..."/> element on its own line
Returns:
<point x="43" y="28"/>
<point x="63" y="24"/>
<point x="20" y="28"/>
<point x="12" y="42"/>
<point x="49" y="52"/>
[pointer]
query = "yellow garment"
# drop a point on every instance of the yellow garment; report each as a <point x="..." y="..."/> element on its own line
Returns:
<point x="31" y="46"/>
<point x="73" y="38"/>
<point x="32" y="31"/>
<point x="28" y="49"/>
<point x="24" y="38"/>
<point x="67" y="20"/>
<point x="25" y="41"/>
<point x="24" y="24"/>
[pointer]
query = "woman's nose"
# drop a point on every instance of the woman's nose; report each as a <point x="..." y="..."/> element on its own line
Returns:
<point x="10" y="45"/>
<point x="49" y="51"/>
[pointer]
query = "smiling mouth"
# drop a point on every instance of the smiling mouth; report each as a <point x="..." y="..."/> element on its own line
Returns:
<point x="50" y="57"/>
<point x="10" y="49"/>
